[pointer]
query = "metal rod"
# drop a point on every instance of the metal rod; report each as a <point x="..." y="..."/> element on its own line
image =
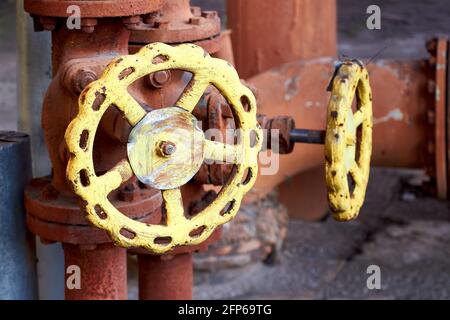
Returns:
<point x="307" y="136"/>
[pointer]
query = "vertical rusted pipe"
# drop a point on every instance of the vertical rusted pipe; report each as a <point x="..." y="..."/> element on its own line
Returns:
<point x="165" y="277"/>
<point x="271" y="32"/>
<point x="176" y="10"/>
<point x="226" y="48"/>
<point x="103" y="272"/>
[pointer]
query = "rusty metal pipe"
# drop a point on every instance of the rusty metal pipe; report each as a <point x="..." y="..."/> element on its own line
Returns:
<point x="176" y="10"/>
<point x="103" y="271"/>
<point x="79" y="57"/>
<point x="270" y="32"/>
<point x="108" y="40"/>
<point x="226" y="48"/>
<point x="165" y="277"/>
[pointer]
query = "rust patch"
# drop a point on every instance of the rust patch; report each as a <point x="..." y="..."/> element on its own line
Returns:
<point x="100" y="212"/>
<point x="126" y="72"/>
<point x="197" y="232"/>
<point x="127" y="233"/>
<point x="100" y="98"/>
<point x="291" y="87"/>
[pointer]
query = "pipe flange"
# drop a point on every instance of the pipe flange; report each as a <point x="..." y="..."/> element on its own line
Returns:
<point x="438" y="117"/>
<point x="92" y="9"/>
<point x="56" y="217"/>
<point x="47" y="14"/>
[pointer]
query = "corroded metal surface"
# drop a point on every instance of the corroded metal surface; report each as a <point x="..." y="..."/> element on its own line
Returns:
<point x="447" y="90"/>
<point x="103" y="270"/>
<point x="57" y="217"/>
<point x="216" y="117"/>
<point x="348" y="140"/>
<point x="440" y="113"/>
<point x="111" y="88"/>
<point x="165" y="277"/>
<point x="269" y="33"/>
<point x="177" y="23"/>
<point x="79" y="58"/>
<point x="272" y="32"/>
<point x="73" y="54"/>
<point x="281" y="126"/>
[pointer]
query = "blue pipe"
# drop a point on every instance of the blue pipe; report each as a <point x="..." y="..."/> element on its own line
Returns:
<point x="17" y="246"/>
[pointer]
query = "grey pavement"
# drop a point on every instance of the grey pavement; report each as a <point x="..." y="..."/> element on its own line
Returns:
<point x="406" y="234"/>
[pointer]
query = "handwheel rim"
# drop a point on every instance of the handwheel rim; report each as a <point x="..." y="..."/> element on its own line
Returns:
<point x="341" y="166"/>
<point x="111" y="88"/>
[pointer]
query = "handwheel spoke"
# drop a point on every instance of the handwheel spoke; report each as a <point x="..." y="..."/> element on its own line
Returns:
<point x="112" y="179"/>
<point x="131" y="109"/>
<point x="358" y="117"/>
<point x="356" y="173"/>
<point x="218" y="151"/>
<point x="350" y="140"/>
<point x="192" y="94"/>
<point x="174" y="205"/>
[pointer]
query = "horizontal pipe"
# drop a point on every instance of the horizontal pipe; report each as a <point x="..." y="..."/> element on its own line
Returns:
<point x="270" y="32"/>
<point x="298" y="89"/>
<point x="307" y="136"/>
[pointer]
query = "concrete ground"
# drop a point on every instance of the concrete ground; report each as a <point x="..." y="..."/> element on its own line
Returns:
<point x="400" y="230"/>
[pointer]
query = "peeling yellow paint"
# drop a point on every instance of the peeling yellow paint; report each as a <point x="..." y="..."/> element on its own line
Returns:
<point x="343" y="159"/>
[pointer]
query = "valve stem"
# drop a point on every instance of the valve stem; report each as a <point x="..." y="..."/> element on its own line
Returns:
<point x="307" y="136"/>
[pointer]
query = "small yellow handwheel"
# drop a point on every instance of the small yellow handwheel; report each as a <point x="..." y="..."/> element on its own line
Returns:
<point x="165" y="147"/>
<point x="348" y="141"/>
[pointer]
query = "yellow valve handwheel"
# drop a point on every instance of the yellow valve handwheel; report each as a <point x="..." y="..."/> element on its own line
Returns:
<point x="348" y="141"/>
<point x="165" y="148"/>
